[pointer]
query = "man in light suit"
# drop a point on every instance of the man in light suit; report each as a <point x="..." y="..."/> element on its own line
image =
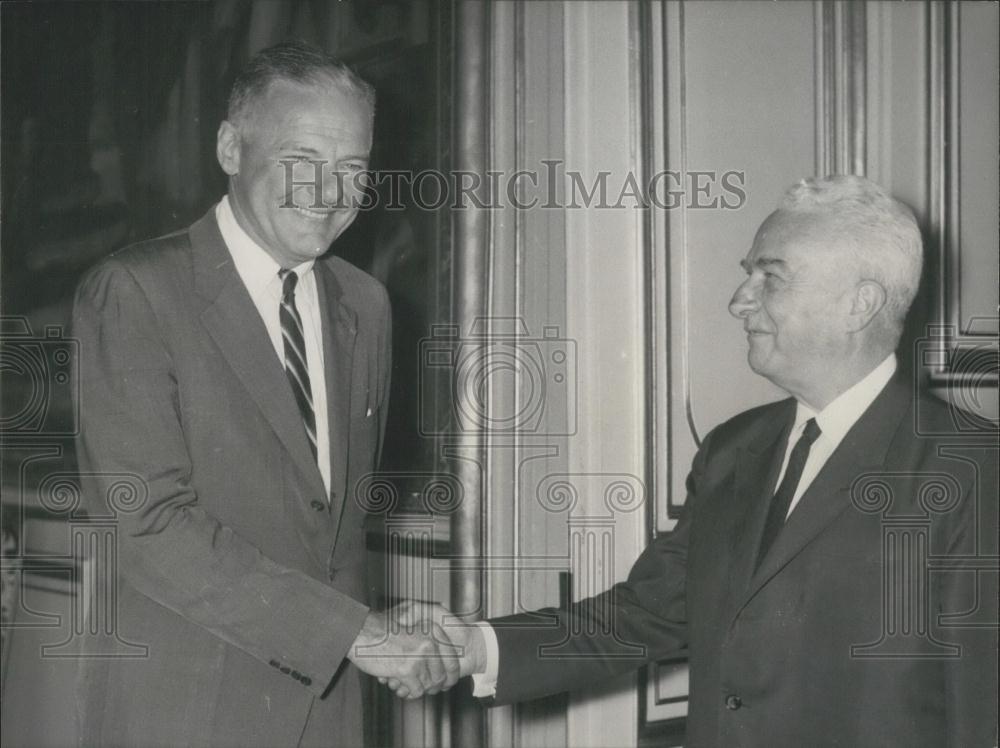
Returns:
<point x="240" y="376"/>
<point x="798" y="578"/>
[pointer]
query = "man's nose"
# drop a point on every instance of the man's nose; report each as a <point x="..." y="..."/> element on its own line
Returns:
<point x="744" y="300"/>
<point x="333" y="187"/>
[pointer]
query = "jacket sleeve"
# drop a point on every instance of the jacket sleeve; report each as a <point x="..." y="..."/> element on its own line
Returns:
<point x="635" y="622"/>
<point x="170" y="548"/>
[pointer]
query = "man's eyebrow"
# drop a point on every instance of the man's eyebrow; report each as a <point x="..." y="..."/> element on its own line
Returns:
<point x="770" y="262"/>
<point x="763" y="263"/>
<point x="298" y="148"/>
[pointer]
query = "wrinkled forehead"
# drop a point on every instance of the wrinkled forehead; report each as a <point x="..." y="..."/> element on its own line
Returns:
<point x="322" y="109"/>
<point x="800" y="238"/>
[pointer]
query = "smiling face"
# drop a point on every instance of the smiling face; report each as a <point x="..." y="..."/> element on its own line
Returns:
<point x="795" y="302"/>
<point x="287" y="200"/>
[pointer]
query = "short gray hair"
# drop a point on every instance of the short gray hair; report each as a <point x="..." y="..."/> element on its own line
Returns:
<point x="294" y="61"/>
<point x="880" y="232"/>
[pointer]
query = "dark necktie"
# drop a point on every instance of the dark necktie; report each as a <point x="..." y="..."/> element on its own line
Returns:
<point x="295" y="354"/>
<point x="782" y="499"/>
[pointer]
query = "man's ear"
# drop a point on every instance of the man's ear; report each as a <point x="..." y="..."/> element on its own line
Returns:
<point x="868" y="300"/>
<point x="227" y="148"/>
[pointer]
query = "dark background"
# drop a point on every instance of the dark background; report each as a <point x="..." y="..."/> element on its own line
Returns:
<point x="108" y="137"/>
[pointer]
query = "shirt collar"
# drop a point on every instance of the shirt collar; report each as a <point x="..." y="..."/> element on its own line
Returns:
<point x="837" y="418"/>
<point x="255" y="266"/>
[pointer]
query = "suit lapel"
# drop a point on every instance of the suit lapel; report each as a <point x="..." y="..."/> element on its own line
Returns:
<point x="862" y="450"/>
<point x="757" y="467"/>
<point x="237" y="329"/>
<point x="339" y="334"/>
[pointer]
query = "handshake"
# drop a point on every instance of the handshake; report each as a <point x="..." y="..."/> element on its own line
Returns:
<point x="418" y="648"/>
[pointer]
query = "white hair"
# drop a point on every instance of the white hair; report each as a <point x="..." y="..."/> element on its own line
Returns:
<point x="879" y="231"/>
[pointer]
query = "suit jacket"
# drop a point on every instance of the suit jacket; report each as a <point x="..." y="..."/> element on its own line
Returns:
<point x="243" y="579"/>
<point x="835" y="639"/>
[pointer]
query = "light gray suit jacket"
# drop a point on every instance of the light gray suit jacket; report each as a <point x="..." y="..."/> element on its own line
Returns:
<point x="244" y="581"/>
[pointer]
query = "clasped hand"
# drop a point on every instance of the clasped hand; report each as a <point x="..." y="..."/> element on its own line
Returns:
<point x="418" y="649"/>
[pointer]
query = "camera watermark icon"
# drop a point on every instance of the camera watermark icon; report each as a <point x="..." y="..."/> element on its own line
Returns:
<point x="965" y="369"/>
<point x="538" y="375"/>
<point x="40" y="382"/>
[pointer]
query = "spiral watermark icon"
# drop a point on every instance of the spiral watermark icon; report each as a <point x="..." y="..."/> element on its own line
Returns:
<point x="411" y="549"/>
<point x="591" y="558"/>
<point x="92" y="563"/>
<point x="908" y="503"/>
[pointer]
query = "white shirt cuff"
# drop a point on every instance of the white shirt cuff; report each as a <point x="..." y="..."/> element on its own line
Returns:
<point x="485" y="684"/>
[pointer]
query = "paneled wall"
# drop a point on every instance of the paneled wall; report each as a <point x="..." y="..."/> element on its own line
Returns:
<point x="726" y="104"/>
<point x="563" y="284"/>
<point x="905" y="93"/>
<point x="611" y="348"/>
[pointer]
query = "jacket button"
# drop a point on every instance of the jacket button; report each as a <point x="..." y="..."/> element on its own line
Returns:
<point x="274" y="663"/>
<point x="319" y="506"/>
<point x="285" y="669"/>
<point x="733" y="702"/>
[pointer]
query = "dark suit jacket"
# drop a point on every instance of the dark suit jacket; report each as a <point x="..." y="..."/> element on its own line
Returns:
<point x="243" y="581"/>
<point x="770" y="649"/>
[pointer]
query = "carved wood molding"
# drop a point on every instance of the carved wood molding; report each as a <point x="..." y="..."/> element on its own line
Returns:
<point x="471" y="75"/>
<point x="663" y="117"/>
<point x="964" y="356"/>
<point x="841" y="87"/>
<point x="661" y="78"/>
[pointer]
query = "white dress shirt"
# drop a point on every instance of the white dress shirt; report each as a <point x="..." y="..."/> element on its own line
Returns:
<point x="834" y="421"/>
<point x="259" y="273"/>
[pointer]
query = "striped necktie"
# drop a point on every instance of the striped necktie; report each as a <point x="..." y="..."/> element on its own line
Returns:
<point x="295" y="354"/>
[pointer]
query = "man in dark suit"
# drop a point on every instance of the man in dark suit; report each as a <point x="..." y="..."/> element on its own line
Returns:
<point x="799" y="578"/>
<point x="240" y="376"/>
